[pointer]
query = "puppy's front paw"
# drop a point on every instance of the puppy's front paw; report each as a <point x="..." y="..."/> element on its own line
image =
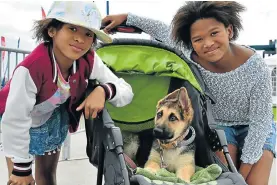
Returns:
<point x="186" y="172"/>
<point x="152" y="166"/>
<point x="152" y="170"/>
<point x="184" y="176"/>
<point x="185" y="179"/>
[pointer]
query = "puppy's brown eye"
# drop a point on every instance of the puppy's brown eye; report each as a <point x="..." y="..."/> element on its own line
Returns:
<point x="159" y="114"/>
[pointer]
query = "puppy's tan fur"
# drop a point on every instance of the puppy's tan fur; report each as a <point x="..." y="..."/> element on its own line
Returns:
<point x="177" y="115"/>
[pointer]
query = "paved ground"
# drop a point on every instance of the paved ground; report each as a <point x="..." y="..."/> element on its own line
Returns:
<point x="71" y="172"/>
<point x="80" y="172"/>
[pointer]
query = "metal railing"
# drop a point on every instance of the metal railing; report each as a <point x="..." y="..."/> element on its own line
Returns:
<point x="269" y="49"/>
<point x="10" y="51"/>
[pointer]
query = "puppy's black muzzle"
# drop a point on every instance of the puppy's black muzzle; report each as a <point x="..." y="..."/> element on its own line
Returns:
<point x="162" y="133"/>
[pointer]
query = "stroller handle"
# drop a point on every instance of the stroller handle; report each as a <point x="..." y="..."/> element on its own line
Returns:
<point x="123" y="28"/>
<point x="106" y="117"/>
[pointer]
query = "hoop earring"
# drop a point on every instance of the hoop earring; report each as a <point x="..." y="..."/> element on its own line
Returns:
<point x="231" y="36"/>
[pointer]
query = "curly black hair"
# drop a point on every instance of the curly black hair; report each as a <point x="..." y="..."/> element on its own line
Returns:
<point x="226" y="12"/>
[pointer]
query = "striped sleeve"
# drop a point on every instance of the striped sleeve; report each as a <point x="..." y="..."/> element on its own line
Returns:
<point x="22" y="169"/>
<point x="16" y="121"/>
<point x="110" y="90"/>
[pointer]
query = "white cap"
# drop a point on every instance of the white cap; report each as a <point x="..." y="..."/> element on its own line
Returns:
<point x="79" y="13"/>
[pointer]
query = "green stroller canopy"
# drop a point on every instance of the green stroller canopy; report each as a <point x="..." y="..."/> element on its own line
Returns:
<point x="148" y="70"/>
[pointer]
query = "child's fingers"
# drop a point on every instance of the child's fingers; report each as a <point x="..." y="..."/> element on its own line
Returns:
<point x="109" y="27"/>
<point x="87" y="113"/>
<point x="81" y="106"/>
<point x="106" y="19"/>
<point x="12" y="183"/>
<point x="94" y="113"/>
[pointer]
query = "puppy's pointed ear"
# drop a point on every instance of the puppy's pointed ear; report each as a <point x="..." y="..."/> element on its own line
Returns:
<point x="170" y="97"/>
<point x="184" y="98"/>
<point x="185" y="103"/>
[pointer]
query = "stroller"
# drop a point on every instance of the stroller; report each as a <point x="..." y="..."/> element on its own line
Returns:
<point x="153" y="70"/>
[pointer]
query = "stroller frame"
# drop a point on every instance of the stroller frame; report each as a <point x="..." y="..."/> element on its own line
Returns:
<point x="113" y="143"/>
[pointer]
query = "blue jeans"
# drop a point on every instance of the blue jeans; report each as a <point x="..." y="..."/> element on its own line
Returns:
<point x="235" y="135"/>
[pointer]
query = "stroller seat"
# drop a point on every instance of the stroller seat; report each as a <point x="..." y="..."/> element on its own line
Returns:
<point x="153" y="70"/>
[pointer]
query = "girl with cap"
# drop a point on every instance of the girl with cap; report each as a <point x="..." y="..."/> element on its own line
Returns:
<point x="236" y="75"/>
<point x="45" y="97"/>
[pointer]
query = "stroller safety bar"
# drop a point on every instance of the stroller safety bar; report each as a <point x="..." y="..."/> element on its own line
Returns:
<point x="224" y="145"/>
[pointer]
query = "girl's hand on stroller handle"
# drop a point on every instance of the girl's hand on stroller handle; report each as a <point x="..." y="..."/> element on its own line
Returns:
<point x="117" y="23"/>
<point x="28" y="180"/>
<point x="94" y="103"/>
<point x="111" y="21"/>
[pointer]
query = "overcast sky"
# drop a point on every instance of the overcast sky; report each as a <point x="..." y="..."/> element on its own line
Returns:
<point x="16" y="17"/>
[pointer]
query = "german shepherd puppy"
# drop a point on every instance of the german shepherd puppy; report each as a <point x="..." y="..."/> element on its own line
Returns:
<point x="171" y="149"/>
